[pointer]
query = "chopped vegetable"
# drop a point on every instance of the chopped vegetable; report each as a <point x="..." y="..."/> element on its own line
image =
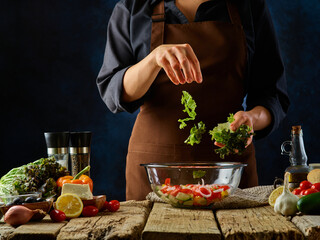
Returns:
<point x="234" y="141"/>
<point x="193" y="195"/>
<point x="189" y="107"/>
<point x="198" y="174"/>
<point x="30" y="177"/>
<point x="196" y="133"/>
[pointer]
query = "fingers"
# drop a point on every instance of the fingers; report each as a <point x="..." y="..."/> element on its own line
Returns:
<point x="180" y="63"/>
<point x="241" y="117"/>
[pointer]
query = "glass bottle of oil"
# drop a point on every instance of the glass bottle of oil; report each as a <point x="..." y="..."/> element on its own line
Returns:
<point x="297" y="156"/>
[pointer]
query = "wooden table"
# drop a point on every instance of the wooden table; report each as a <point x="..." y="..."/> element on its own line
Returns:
<point x="144" y="220"/>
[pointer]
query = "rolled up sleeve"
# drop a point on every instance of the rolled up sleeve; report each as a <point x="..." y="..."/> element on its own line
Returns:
<point x="267" y="82"/>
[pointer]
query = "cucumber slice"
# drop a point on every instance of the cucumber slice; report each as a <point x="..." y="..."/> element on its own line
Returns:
<point x="173" y="199"/>
<point x="188" y="203"/>
<point x="183" y="196"/>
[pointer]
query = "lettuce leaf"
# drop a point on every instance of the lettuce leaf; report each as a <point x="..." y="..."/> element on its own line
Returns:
<point x="189" y="108"/>
<point x="234" y="141"/>
<point x="196" y="133"/>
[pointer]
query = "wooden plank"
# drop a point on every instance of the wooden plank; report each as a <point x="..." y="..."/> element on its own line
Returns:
<point x="309" y="225"/>
<point x="166" y="222"/>
<point x="127" y="223"/>
<point x="256" y="223"/>
<point x="44" y="229"/>
<point x="5" y="230"/>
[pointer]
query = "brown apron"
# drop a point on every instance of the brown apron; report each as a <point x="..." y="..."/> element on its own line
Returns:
<point x="156" y="137"/>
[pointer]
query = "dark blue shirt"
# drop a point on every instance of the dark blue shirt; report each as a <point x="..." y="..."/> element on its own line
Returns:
<point x="128" y="42"/>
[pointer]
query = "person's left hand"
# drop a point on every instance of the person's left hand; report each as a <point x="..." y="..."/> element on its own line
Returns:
<point x="240" y="117"/>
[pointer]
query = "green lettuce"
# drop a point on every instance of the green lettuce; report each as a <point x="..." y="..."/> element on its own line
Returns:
<point x="196" y="133"/>
<point x="234" y="141"/>
<point x="189" y="108"/>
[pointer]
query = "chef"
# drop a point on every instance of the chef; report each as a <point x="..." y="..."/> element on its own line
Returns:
<point x="223" y="52"/>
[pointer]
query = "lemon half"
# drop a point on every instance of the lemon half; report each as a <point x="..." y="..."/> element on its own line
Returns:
<point x="274" y="195"/>
<point x="70" y="204"/>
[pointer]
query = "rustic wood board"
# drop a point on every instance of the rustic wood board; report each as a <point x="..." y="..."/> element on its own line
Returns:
<point x="5" y="230"/>
<point x="45" y="229"/>
<point x="256" y="223"/>
<point x="127" y="223"/>
<point x="166" y="222"/>
<point x="309" y="225"/>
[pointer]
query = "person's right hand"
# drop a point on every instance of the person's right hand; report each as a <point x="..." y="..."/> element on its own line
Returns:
<point x="179" y="62"/>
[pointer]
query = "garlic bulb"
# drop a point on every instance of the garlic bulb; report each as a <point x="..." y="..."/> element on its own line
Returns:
<point x="286" y="203"/>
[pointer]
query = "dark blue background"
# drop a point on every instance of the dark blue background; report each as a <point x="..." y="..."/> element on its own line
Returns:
<point x="51" y="52"/>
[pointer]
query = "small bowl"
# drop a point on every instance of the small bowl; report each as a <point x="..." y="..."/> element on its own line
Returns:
<point x="194" y="185"/>
<point x="9" y="198"/>
<point x="45" y="206"/>
<point x="97" y="201"/>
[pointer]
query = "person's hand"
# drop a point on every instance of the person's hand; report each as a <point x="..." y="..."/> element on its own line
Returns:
<point x="179" y="62"/>
<point x="240" y="117"/>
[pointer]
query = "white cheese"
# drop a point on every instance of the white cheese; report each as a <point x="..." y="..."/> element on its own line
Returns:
<point x="82" y="190"/>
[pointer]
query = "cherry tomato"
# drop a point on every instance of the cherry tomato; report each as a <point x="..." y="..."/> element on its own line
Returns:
<point x="316" y="186"/>
<point x="105" y="206"/>
<point x="310" y="191"/>
<point x="167" y="181"/>
<point x="57" y="215"/>
<point x="113" y="205"/>
<point x="90" y="211"/>
<point x="297" y="191"/>
<point x="305" y="185"/>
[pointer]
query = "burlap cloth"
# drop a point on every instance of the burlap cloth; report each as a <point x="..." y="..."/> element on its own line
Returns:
<point x="241" y="198"/>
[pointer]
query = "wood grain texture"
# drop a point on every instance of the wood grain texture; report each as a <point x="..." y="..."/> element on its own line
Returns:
<point x="166" y="222"/>
<point x="127" y="223"/>
<point x="5" y="230"/>
<point x="256" y="223"/>
<point x="309" y="225"/>
<point x="45" y="229"/>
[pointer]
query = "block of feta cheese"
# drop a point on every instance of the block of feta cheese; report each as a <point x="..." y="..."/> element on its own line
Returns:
<point x="82" y="190"/>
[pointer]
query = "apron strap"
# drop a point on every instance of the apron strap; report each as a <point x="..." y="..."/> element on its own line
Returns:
<point x="157" y="31"/>
<point x="233" y="13"/>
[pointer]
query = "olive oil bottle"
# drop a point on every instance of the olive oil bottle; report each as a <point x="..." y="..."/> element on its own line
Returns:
<point x="298" y="169"/>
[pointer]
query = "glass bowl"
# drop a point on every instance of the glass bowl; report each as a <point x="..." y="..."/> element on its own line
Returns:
<point x="194" y="185"/>
<point x="11" y="199"/>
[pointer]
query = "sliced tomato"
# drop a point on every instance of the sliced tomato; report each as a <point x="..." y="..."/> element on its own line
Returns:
<point x="205" y="192"/>
<point x="175" y="191"/>
<point x="164" y="189"/>
<point x="186" y="191"/>
<point x="224" y="187"/>
<point x="167" y="181"/>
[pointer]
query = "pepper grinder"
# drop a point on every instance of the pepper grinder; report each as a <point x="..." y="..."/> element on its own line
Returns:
<point x="79" y="148"/>
<point x="57" y="146"/>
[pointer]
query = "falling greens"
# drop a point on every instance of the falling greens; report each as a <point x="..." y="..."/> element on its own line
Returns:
<point x="234" y="142"/>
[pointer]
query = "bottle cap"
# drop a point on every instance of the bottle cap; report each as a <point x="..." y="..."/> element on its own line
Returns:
<point x="80" y="139"/>
<point x="296" y="129"/>
<point x="57" y="139"/>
